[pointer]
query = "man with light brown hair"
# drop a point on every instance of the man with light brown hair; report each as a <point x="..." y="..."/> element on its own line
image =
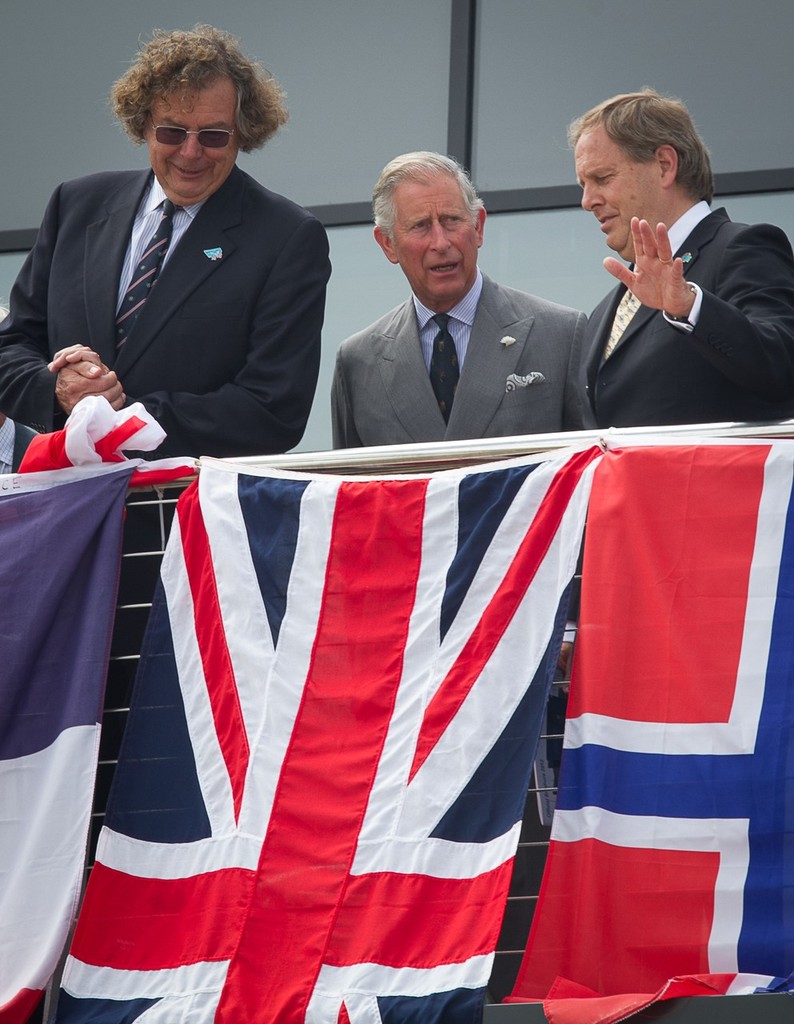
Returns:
<point x="701" y="326"/>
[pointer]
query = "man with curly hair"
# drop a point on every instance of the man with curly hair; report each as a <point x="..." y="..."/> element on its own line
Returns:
<point x="224" y="349"/>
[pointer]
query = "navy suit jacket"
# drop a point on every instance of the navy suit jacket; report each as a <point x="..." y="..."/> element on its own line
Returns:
<point x="22" y="437"/>
<point x="225" y="354"/>
<point x="738" y="363"/>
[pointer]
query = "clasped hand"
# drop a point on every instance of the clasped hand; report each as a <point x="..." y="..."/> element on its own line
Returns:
<point x="81" y="372"/>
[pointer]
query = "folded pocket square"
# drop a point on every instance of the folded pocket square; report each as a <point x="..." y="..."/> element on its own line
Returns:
<point x="516" y="381"/>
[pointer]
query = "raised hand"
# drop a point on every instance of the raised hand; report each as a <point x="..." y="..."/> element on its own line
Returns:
<point x="657" y="279"/>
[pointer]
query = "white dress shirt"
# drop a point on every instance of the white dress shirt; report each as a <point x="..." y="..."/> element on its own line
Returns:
<point x="461" y="318"/>
<point x="678" y="234"/>
<point x="144" y="226"/>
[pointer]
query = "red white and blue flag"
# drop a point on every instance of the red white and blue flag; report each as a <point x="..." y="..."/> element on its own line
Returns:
<point x="60" y="545"/>
<point x="671" y="851"/>
<point x="323" y="774"/>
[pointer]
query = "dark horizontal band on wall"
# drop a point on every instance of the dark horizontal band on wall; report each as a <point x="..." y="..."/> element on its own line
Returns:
<point x="563" y="197"/>
<point x="518" y="200"/>
<point x="337" y="215"/>
<point x="17" y="241"/>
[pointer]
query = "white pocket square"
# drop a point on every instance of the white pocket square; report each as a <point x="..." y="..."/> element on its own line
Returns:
<point x="516" y="381"/>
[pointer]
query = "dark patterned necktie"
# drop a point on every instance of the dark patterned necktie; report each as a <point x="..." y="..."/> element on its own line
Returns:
<point x="444" y="370"/>
<point x="144" y="275"/>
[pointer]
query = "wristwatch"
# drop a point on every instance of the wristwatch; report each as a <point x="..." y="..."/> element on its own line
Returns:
<point x="682" y="319"/>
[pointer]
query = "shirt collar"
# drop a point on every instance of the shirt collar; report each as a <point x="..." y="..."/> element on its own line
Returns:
<point x="156" y="196"/>
<point x="465" y="310"/>
<point x="686" y="224"/>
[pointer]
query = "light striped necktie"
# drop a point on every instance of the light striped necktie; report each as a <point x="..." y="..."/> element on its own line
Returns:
<point x="627" y="307"/>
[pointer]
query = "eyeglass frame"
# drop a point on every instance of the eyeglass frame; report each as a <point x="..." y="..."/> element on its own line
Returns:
<point x="187" y="131"/>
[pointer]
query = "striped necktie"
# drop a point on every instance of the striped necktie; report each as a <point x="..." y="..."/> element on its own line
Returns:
<point x="627" y="307"/>
<point x="444" y="370"/>
<point x="144" y="275"/>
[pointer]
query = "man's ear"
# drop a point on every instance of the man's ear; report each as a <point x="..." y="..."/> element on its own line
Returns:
<point x="667" y="159"/>
<point x="480" y="225"/>
<point x="386" y="244"/>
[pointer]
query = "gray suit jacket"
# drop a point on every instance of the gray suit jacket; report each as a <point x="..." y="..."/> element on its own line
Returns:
<point x="381" y="391"/>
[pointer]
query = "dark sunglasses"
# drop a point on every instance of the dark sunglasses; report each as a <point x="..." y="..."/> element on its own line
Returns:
<point x="209" y="138"/>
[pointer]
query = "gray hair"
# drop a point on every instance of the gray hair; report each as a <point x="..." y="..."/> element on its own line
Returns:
<point x="421" y="166"/>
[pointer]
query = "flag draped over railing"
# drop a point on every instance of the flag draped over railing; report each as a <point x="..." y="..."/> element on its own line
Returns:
<point x="60" y="547"/>
<point x="670" y="869"/>
<point x="320" y="789"/>
<point x="321" y="783"/>
<point x="95" y="433"/>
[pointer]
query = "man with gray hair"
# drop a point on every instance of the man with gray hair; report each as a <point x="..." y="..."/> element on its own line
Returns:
<point x="463" y="357"/>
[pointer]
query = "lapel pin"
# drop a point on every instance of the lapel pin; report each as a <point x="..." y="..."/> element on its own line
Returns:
<point x="213" y="254"/>
<point x="507" y="340"/>
<point x="686" y="258"/>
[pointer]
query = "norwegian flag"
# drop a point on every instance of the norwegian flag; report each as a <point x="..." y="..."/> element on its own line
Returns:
<point x="320" y="789"/>
<point x="670" y="868"/>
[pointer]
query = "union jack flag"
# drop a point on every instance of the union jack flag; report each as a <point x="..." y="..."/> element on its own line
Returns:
<point x="324" y="770"/>
<point x="671" y="842"/>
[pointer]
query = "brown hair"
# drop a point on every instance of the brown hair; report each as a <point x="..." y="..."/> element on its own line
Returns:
<point x="188" y="62"/>
<point x="640" y="122"/>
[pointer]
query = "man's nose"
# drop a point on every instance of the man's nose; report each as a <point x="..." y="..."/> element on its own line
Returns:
<point x="438" y="235"/>
<point x="191" y="147"/>
<point x="589" y="197"/>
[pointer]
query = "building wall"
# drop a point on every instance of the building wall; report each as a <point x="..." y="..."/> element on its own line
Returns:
<point x="494" y="82"/>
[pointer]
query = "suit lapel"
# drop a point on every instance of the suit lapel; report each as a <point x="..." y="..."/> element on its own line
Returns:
<point x="700" y="236"/>
<point x="602" y="318"/>
<point x="405" y="377"/>
<point x="601" y="333"/>
<point x="105" y="248"/>
<point x="488" y="363"/>
<point x="599" y="326"/>
<point x="188" y="268"/>
<point x="634" y="326"/>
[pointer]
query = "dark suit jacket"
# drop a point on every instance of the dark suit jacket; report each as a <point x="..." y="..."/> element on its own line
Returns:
<point x="225" y="354"/>
<point x="22" y="437"/>
<point x="381" y="392"/>
<point x="736" y="366"/>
